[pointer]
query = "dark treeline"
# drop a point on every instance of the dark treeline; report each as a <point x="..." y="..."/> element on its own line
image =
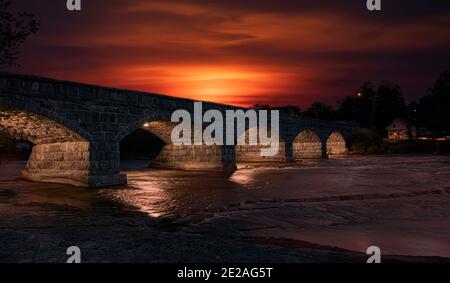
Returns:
<point x="375" y="107"/>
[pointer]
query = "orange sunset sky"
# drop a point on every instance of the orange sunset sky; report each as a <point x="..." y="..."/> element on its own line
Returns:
<point x="241" y="52"/>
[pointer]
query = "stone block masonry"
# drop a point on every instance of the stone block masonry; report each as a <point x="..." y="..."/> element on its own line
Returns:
<point x="77" y="128"/>
<point x="74" y="163"/>
<point x="196" y="157"/>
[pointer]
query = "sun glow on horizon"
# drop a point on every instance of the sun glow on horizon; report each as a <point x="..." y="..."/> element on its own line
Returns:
<point x="221" y="84"/>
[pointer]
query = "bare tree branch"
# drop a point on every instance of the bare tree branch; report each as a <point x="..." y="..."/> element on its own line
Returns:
<point x="14" y="30"/>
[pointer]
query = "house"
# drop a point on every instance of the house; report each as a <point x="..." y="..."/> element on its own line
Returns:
<point x="400" y="130"/>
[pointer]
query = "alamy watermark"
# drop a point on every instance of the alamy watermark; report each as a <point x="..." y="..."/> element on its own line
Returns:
<point x="230" y="130"/>
<point x="74" y="254"/>
<point x="375" y="254"/>
<point x="373" y="5"/>
<point x="73" y="5"/>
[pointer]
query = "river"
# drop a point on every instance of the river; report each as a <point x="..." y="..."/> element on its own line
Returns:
<point x="398" y="203"/>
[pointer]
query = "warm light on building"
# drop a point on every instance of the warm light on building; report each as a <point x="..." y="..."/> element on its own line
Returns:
<point x="400" y="130"/>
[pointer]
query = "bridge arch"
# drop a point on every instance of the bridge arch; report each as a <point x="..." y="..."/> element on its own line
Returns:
<point x="336" y="144"/>
<point x="306" y="145"/>
<point x="139" y="148"/>
<point x="59" y="154"/>
<point x="18" y="104"/>
<point x="184" y="157"/>
<point x="150" y="136"/>
<point x="157" y="123"/>
<point x="36" y="128"/>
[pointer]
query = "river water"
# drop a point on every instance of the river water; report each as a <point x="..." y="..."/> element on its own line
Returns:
<point x="398" y="203"/>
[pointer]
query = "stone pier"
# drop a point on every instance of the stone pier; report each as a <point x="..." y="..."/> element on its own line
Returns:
<point x="252" y="153"/>
<point x="196" y="157"/>
<point x="74" y="163"/>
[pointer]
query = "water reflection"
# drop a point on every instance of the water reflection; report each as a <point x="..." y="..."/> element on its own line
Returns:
<point x="349" y="203"/>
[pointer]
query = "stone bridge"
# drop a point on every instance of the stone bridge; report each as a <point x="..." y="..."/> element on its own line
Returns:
<point x="77" y="128"/>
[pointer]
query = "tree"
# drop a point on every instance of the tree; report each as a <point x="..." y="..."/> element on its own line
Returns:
<point x="374" y="107"/>
<point x="425" y="111"/>
<point x="358" y="107"/>
<point x="14" y="30"/>
<point x="320" y="110"/>
<point x="440" y="119"/>
<point x="290" y="110"/>
<point x="389" y="105"/>
<point x="432" y="110"/>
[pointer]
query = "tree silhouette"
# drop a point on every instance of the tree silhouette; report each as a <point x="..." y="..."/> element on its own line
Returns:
<point x="14" y="30"/>
<point x="358" y="106"/>
<point x="389" y="105"/>
<point x="320" y="110"/>
<point x="374" y="107"/>
<point x="290" y="110"/>
<point x="440" y="104"/>
<point x="432" y="110"/>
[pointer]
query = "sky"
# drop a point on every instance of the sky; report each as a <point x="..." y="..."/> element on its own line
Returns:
<point x="240" y="52"/>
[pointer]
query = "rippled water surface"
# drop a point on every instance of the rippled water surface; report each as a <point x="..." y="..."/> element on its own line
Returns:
<point x="399" y="203"/>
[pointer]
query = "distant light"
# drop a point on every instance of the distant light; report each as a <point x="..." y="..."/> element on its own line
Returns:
<point x="359" y="94"/>
<point x="146" y="125"/>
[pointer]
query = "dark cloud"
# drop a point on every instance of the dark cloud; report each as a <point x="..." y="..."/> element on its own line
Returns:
<point x="243" y="52"/>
